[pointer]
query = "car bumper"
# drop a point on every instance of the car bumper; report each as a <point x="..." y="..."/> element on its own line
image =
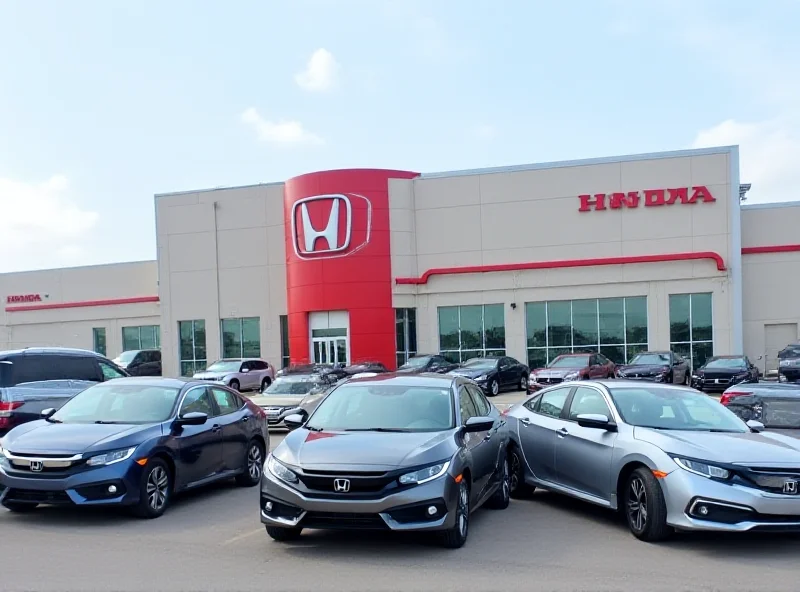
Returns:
<point x="789" y="374"/>
<point x="87" y="488"/>
<point x="731" y="508"/>
<point x="405" y="510"/>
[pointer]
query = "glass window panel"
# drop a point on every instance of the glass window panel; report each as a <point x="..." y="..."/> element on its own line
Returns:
<point x="679" y="317"/>
<point x="186" y="346"/>
<point x="537" y="358"/>
<point x="701" y="317"/>
<point x="231" y="338"/>
<point x="611" y="320"/>
<point x="400" y="329"/>
<point x="632" y="350"/>
<point x="99" y="340"/>
<point x="412" y="329"/>
<point x="448" y="328"/>
<point x="187" y="368"/>
<point x="284" y="322"/>
<point x="401" y="359"/>
<point x="471" y="327"/>
<point x="468" y="354"/>
<point x="584" y="322"/>
<point x="200" y="341"/>
<point x="148" y="337"/>
<point x="452" y="356"/>
<point x="701" y="352"/>
<point x="494" y="324"/>
<point x="554" y="352"/>
<point x="130" y="338"/>
<point x="683" y="349"/>
<point x="636" y="319"/>
<point x="615" y="353"/>
<point x="251" y="338"/>
<point x="536" y="323"/>
<point x="559" y="324"/>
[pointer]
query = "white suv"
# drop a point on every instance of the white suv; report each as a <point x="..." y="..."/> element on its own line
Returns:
<point x="242" y="374"/>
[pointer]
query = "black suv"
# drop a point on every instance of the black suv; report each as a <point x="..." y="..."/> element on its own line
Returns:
<point x="140" y="362"/>
<point x="789" y="363"/>
<point x="35" y="379"/>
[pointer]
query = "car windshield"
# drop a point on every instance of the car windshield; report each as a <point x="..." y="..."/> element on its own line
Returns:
<point x="384" y="408"/>
<point x="481" y="363"/>
<point x="127" y="356"/>
<point x="569" y="362"/>
<point x="416" y="362"/>
<point x="119" y="403"/>
<point x="722" y="363"/>
<point x="293" y="385"/>
<point x="651" y="359"/>
<point x="665" y="408"/>
<point x="225" y="366"/>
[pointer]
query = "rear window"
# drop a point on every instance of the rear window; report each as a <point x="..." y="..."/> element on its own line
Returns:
<point x="37" y="368"/>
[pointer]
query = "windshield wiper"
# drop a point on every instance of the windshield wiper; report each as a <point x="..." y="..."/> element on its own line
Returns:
<point x="313" y="428"/>
<point x="51" y="420"/>
<point x="102" y="421"/>
<point x="377" y="430"/>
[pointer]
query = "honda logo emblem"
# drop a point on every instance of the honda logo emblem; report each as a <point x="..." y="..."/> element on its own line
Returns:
<point x="341" y="485"/>
<point x="322" y="225"/>
<point x="37" y="466"/>
<point x="790" y="487"/>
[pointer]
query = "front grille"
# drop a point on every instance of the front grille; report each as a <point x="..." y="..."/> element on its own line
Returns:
<point x="549" y="380"/>
<point x="359" y="482"/>
<point x="772" y="479"/>
<point x="37" y="496"/>
<point x="343" y="520"/>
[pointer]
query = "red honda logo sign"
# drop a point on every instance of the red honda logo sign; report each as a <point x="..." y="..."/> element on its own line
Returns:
<point x="331" y="225"/>
<point x="648" y="198"/>
<point x="19" y="298"/>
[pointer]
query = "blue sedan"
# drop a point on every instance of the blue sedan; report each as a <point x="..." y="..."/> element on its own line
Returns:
<point x="133" y="442"/>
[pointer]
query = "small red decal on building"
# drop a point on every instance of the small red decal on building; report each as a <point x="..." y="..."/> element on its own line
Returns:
<point x="16" y="298"/>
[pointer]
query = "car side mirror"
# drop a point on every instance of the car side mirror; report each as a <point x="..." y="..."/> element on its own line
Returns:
<point x="48" y="413"/>
<point x="478" y="424"/>
<point x="294" y="421"/>
<point x="755" y="426"/>
<point x="596" y="421"/>
<point x="245" y="370"/>
<point x="192" y="418"/>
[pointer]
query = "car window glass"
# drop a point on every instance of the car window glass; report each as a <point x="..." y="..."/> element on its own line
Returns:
<point x="109" y="372"/>
<point x="227" y="402"/>
<point x="258" y="365"/>
<point x="482" y="406"/>
<point x="467" y="405"/>
<point x="531" y="403"/>
<point x="552" y="402"/>
<point x="588" y="401"/>
<point x="197" y="401"/>
<point x="33" y="368"/>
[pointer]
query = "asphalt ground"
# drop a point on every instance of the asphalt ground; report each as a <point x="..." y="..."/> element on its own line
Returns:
<point x="212" y="540"/>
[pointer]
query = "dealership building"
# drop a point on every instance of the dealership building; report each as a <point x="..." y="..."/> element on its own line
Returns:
<point x="617" y="254"/>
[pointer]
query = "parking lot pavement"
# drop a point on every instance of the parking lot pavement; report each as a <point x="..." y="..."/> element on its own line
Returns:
<point x="212" y="540"/>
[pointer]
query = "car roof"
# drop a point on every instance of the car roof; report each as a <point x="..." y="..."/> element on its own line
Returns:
<point x="728" y="357"/>
<point x="157" y="381"/>
<point x="61" y="351"/>
<point x="575" y="355"/>
<point x="622" y="383"/>
<point x="430" y="379"/>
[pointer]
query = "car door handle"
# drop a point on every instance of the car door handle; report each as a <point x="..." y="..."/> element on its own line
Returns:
<point x="246" y="418"/>
<point x="562" y="432"/>
<point x="525" y="421"/>
<point x="215" y="428"/>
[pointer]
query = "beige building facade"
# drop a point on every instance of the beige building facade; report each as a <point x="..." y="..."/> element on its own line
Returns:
<point x="615" y="254"/>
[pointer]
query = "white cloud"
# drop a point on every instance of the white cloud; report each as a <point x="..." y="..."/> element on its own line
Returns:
<point x="279" y="132"/>
<point x="321" y="72"/>
<point x="39" y="220"/>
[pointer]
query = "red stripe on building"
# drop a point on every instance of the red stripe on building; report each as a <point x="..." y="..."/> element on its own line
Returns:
<point x="770" y="249"/>
<point x="566" y="263"/>
<point x="83" y="304"/>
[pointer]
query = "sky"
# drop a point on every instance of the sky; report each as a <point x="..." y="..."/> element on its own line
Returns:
<point x="104" y="103"/>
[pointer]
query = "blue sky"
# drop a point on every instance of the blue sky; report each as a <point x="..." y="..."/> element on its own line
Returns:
<point x="105" y="103"/>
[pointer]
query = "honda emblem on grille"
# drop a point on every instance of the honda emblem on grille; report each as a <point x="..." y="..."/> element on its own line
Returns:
<point x="341" y="485"/>
<point x="790" y="487"/>
<point x="37" y="466"/>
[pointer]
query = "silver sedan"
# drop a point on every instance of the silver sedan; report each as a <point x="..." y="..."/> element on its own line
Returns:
<point x="668" y="457"/>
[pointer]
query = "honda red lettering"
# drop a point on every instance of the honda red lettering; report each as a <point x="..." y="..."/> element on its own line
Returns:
<point x="652" y="198"/>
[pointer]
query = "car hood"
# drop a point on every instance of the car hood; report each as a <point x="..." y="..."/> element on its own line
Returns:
<point x="40" y="437"/>
<point x="409" y="370"/>
<point x="643" y="368"/>
<point x="764" y="449"/>
<point x="722" y="371"/>
<point x="365" y="450"/>
<point x="556" y="372"/>
<point x="278" y="400"/>
<point x="471" y="372"/>
<point x="211" y="375"/>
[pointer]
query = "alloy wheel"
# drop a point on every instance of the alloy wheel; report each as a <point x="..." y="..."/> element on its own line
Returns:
<point x="523" y="383"/>
<point x="463" y="511"/>
<point x="495" y="387"/>
<point x="254" y="462"/>
<point x="637" y="505"/>
<point x="157" y="488"/>
<point x="506" y="480"/>
<point x="513" y="477"/>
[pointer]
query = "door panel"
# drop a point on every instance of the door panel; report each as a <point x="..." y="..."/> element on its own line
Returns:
<point x="234" y="421"/>
<point x="537" y="432"/>
<point x="476" y="444"/>
<point x="200" y="446"/>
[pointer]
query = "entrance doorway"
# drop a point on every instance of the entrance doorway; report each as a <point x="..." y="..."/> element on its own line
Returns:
<point x="329" y="339"/>
<point x="330" y="350"/>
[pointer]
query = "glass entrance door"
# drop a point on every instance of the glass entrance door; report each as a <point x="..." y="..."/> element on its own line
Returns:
<point x="330" y="350"/>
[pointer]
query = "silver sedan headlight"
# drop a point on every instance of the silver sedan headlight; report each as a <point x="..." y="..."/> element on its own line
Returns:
<point x="702" y="469"/>
<point x="571" y="376"/>
<point x="281" y="471"/>
<point x="424" y="475"/>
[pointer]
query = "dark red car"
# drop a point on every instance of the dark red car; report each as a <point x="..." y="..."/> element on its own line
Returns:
<point x="570" y="367"/>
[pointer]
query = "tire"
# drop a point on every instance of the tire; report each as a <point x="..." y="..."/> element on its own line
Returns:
<point x="686" y="381"/>
<point x="494" y="387"/>
<point x="457" y="535"/>
<point x="20" y="507"/>
<point x="502" y="497"/>
<point x="517" y="487"/>
<point x="283" y="535"/>
<point x="265" y="383"/>
<point x="523" y="383"/>
<point x="253" y="465"/>
<point x="155" y="490"/>
<point x="234" y="384"/>
<point x="645" y="508"/>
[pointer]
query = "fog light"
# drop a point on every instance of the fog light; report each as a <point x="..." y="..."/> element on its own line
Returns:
<point x="702" y="510"/>
<point x="112" y="489"/>
<point x="432" y="510"/>
<point x="268" y="506"/>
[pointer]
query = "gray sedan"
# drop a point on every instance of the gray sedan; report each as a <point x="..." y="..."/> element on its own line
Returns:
<point x="391" y="452"/>
<point x="668" y="457"/>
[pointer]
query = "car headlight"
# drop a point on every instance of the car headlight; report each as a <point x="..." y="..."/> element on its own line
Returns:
<point x="482" y="378"/>
<point x="281" y="471"/>
<point x="424" y="475"/>
<point x="702" y="469"/>
<point x="572" y="376"/>
<point x="110" y="458"/>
